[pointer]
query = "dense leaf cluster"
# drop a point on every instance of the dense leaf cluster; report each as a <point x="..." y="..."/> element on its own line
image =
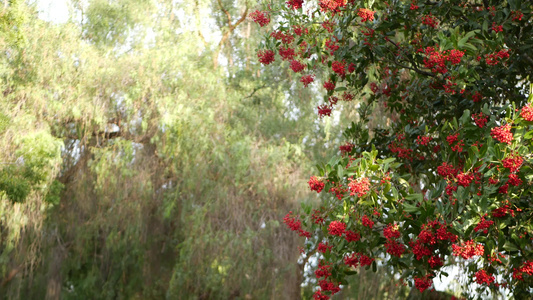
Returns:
<point x="441" y="142"/>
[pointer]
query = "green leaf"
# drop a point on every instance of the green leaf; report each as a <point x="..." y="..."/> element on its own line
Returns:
<point x="462" y="41"/>
<point x="473" y="151"/>
<point x="481" y="239"/>
<point x="471" y="47"/>
<point x="340" y="171"/>
<point x="403" y="182"/>
<point x="306" y="208"/>
<point x="454" y="123"/>
<point x="341" y="245"/>
<point x="510" y="246"/>
<point x="394" y="193"/>
<point x="416" y="197"/>
<point x="363" y="165"/>
<point x="466" y="117"/>
<point x="528" y="135"/>
<point x="320" y="169"/>
<point x="502" y="225"/>
<point x="410" y="208"/>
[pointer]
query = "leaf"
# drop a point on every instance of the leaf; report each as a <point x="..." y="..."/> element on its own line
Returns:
<point x="403" y="182"/>
<point x="481" y="239"/>
<point x="454" y="123"/>
<point x="320" y="170"/>
<point x="340" y="171"/>
<point x="528" y="135"/>
<point x="502" y="225"/>
<point x="363" y="165"/>
<point x="333" y="161"/>
<point x="306" y="208"/>
<point x="470" y="47"/>
<point x="416" y="197"/>
<point x="466" y="117"/>
<point x="409" y="208"/>
<point x="510" y="246"/>
<point x="387" y="187"/>
<point x="394" y="193"/>
<point x="473" y="151"/>
<point x="388" y="160"/>
<point x="341" y="245"/>
<point x="466" y="38"/>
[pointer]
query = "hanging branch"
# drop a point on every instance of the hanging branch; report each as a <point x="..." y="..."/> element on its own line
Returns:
<point x="197" y="13"/>
<point x="231" y="28"/>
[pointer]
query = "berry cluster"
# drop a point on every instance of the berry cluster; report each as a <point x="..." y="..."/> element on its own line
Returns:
<point x="355" y="259"/>
<point x="502" y="211"/>
<point x="332" y="6"/>
<point x="480" y="119"/>
<point x="527" y="112"/>
<point x="336" y="228"/>
<point x="367" y="222"/>
<point x="366" y="14"/>
<point x="494" y="58"/>
<point x="430" y="21"/>
<point x="423" y="283"/>
<point x="265" y="56"/>
<point x="467" y="249"/>
<point x="359" y="187"/>
<point x="260" y="17"/>
<point x="307" y="79"/>
<point x="316" y="184"/>
<point x="295" y="225"/>
<point x="483" y="225"/>
<point x="483" y="278"/>
<point x="526" y="268"/>
<point x="502" y="134"/>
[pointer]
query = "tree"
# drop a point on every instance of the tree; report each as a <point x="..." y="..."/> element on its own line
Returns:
<point x="437" y="164"/>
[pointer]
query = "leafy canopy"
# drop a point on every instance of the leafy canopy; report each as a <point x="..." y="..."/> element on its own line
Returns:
<point x="436" y="167"/>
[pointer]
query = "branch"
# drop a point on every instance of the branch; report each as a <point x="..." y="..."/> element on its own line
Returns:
<point x="202" y="38"/>
<point x="225" y="11"/>
<point x="411" y="61"/>
<point x="413" y="69"/>
<point x="226" y="35"/>
<point x="105" y="134"/>
<point x="306" y="259"/>
<point x="243" y="17"/>
<point x="255" y="90"/>
<point x="68" y="175"/>
<point x="196" y="12"/>
<point x="10" y="276"/>
<point x="486" y="3"/>
<point x="516" y="48"/>
<point x="528" y="58"/>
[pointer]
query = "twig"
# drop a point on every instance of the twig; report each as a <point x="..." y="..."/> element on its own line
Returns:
<point x="225" y="11"/>
<point x="255" y="90"/>
<point x="411" y="61"/>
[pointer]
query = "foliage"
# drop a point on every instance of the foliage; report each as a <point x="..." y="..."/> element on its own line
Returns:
<point x="446" y="172"/>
